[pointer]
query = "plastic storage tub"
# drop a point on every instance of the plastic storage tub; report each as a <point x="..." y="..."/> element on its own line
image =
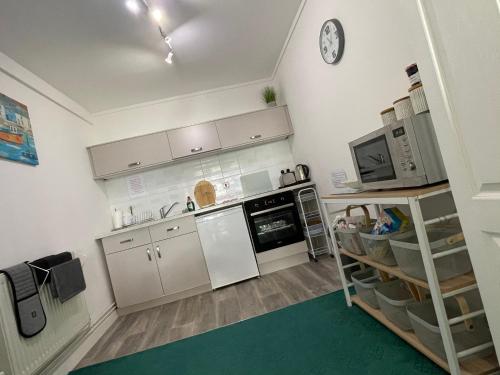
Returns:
<point x="351" y="240"/>
<point x="409" y="257"/>
<point x="378" y="248"/>
<point x="393" y="297"/>
<point x="424" y="321"/>
<point x="365" y="282"/>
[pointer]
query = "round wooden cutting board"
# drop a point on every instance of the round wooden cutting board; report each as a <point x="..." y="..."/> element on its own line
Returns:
<point x="204" y="194"/>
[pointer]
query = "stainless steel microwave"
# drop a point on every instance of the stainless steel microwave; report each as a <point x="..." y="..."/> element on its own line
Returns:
<point x="403" y="154"/>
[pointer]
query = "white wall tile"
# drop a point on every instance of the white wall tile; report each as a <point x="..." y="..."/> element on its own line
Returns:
<point x="173" y="183"/>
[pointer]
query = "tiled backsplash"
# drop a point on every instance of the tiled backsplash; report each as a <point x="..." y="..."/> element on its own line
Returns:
<point x="173" y="183"/>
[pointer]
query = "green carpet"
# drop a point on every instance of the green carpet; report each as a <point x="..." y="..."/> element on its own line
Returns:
<point x="320" y="336"/>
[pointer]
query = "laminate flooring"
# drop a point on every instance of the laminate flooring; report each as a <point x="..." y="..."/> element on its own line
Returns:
<point x="194" y="315"/>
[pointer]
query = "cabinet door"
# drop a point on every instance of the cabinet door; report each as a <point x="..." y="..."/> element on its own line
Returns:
<point x="254" y="127"/>
<point x="134" y="275"/>
<point x="192" y="140"/>
<point x="130" y="154"/>
<point x="181" y="263"/>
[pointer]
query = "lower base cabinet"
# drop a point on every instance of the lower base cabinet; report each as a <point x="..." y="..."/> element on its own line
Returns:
<point x="134" y="275"/>
<point x="167" y="267"/>
<point x="181" y="263"/>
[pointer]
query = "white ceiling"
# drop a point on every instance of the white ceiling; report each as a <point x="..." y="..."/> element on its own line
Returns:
<point x="103" y="56"/>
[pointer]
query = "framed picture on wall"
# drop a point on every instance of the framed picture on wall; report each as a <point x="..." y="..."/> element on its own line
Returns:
<point x="16" y="136"/>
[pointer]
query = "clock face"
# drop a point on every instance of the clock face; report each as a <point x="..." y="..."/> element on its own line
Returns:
<point x="331" y="41"/>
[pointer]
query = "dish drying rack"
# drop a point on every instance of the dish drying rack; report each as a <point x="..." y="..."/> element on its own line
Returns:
<point x="313" y="223"/>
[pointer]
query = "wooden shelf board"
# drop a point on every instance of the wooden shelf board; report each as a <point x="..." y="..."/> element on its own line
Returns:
<point x="446" y="286"/>
<point x="395" y="193"/>
<point x="473" y="366"/>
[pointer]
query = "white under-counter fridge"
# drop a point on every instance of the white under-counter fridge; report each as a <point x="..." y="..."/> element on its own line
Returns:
<point x="227" y="246"/>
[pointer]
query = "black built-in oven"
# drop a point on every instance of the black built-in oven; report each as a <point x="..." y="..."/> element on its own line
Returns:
<point x="273" y="221"/>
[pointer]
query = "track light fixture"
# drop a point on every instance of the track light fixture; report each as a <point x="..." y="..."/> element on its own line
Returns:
<point x="156" y="14"/>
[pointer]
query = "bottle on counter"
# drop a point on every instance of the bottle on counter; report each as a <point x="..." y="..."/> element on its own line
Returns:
<point x="117" y="219"/>
<point x="190" y="204"/>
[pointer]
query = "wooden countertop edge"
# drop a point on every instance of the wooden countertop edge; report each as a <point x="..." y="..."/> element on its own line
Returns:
<point x="396" y="193"/>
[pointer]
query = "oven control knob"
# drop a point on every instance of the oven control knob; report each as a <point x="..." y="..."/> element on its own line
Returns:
<point x="412" y="166"/>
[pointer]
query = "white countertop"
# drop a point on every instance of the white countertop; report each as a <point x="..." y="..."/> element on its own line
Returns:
<point x="201" y="211"/>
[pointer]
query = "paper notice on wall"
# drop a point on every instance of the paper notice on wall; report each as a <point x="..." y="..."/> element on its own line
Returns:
<point x="135" y="185"/>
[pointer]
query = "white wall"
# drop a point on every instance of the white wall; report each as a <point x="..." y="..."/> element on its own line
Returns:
<point x="331" y="105"/>
<point x="55" y="206"/>
<point x="178" y="111"/>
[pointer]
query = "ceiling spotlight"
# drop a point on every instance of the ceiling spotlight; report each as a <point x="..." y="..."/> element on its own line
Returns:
<point x="170" y="55"/>
<point x="133" y="6"/>
<point x="157" y="14"/>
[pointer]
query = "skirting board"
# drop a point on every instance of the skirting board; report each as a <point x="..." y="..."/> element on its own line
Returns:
<point x="163" y="300"/>
<point x="74" y="353"/>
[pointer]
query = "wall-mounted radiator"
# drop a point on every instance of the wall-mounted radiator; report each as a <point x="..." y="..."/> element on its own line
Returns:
<point x="65" y="322"/>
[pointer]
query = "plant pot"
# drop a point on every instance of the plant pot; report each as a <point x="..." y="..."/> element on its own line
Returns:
<point x="271" y="104"/>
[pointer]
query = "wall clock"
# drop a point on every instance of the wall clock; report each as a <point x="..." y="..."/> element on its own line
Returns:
<point x="331" y="41"/>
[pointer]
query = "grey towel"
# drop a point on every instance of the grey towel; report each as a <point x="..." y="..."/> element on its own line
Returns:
<point x="68" y="280"/>
<point x="30" y="316"/>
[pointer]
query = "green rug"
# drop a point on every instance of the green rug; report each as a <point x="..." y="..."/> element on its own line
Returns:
<point x="320" y="336"/>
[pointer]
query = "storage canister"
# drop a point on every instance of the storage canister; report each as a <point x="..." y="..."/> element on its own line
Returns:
<point x="424" y="322"/>
<point x="393" y="297"/>
<point x="408" y="255"/>
<point x="378" y="248"/>
<point x="413" y="74"/>
<point x="365" y="282"/>
<point x="418" y="100"/>
<point x="388" y="116"/>
<point x="403" y="108"/>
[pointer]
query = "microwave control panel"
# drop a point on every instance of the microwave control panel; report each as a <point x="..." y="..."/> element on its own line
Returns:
<point x="401" y="141"/>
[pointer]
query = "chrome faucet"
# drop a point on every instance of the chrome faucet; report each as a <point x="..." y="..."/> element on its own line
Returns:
<point x="163" y="213"/>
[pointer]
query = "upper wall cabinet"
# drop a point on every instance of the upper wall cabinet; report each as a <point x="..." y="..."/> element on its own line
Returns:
<point x="254" y="127"/>
<point x="193" y="140"/>
<point x="130" y="154"/>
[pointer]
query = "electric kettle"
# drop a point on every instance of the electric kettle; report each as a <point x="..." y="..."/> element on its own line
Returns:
<point x="302" y="172"/>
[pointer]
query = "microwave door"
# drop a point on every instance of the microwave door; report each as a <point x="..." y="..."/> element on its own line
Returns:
<point x="374" y="160"/>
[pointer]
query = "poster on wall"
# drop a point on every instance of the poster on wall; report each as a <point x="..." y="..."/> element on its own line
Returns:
<point x="16" y="136"/>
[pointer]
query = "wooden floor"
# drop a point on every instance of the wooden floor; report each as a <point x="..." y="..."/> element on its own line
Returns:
<point x="191" y="316"/>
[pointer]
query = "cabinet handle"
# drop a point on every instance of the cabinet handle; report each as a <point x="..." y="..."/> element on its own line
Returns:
<point x="256" y="136"/>
<point x="149" y="254"/>
<point x="126" y="241"/>
<point x="134" y="164"/>
<point x="197" y="149"/>
<point x="173" y="228"/>
<point x="158" y="251"/>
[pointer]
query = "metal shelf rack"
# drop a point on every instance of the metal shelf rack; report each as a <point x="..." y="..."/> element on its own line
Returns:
<point x="310" y="211"/>
<point x="455" y="362"/>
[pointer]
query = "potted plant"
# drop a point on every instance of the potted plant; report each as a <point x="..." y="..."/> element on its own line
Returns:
<point x="269" y="96"/>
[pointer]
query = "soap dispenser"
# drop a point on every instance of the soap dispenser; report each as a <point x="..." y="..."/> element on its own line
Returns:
<point x="190" y="204"/>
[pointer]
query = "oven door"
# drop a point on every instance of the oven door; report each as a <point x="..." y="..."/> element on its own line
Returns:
<point x="275" y="227"/>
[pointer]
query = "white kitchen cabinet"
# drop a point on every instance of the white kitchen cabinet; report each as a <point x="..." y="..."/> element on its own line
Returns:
<point x="193" y="140"/>
<point x="173" y="228"/>
<point x="130" y="154"/>
<point x="254" y="127"/>
<point x="181" y="263"/>
<point x="134" y="276"/>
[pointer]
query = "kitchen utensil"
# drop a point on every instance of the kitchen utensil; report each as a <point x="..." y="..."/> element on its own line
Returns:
<point x="204" y="194"/>
<point x="302" y="172"/>
<point x="287" y="178"/>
